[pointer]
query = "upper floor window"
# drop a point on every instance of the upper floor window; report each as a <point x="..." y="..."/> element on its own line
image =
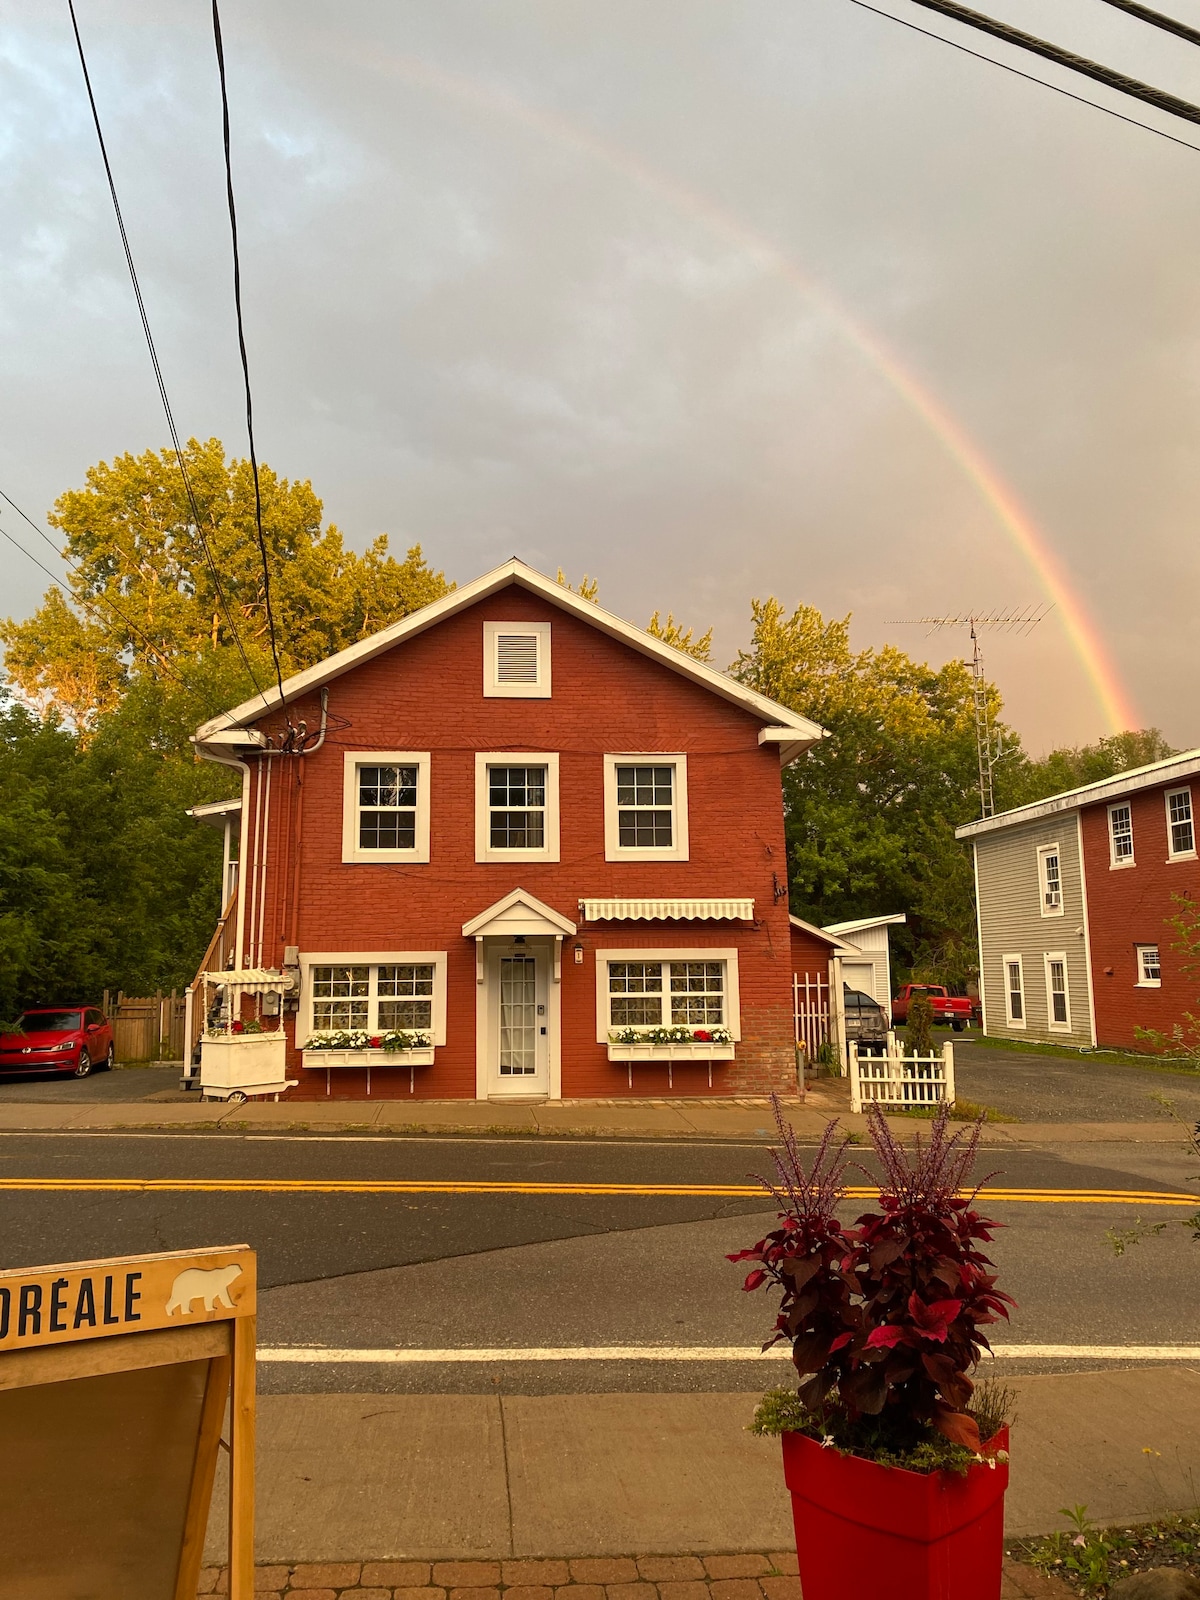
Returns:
<point x="1181" y="833"/>
<point x="385" y="806"/>
<point x="1050" y="881"/>
<point x="645" y="807"/>
<point x="516" y="807"/>
<point x="1120" y="835"/>
<point x="1149" y="966"/>
<point x="516" y="660"/>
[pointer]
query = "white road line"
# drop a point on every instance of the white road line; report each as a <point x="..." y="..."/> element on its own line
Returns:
<point x="321" y="1355"/>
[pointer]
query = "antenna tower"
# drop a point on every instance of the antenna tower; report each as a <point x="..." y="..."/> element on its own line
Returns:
<point x="988" y="746"/>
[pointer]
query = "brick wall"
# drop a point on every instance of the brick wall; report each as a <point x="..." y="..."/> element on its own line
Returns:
<point x="426" y="694"/>
<point x="1132" y="905"/>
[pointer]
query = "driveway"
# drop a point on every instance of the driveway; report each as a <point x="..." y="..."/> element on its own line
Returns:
<point x="157" y="1082"/>
<point x="1053" y="1088"/>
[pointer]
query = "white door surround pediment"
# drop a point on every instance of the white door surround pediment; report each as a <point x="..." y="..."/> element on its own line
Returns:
<point x="518" y="913"/>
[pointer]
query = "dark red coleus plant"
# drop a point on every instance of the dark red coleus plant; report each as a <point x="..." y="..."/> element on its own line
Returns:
<point x="884" y="1318"/>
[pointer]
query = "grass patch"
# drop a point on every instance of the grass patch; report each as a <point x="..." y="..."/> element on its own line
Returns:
<point x="1092" y="1559"/>
<point x="960" y="1111"/>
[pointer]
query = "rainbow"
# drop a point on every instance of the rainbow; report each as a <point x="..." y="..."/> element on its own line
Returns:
<point x="1083" y="636"/>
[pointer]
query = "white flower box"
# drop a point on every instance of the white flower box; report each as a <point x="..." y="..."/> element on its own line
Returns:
<point x="420" y="1056"/>
<point x="680" y="1050"/>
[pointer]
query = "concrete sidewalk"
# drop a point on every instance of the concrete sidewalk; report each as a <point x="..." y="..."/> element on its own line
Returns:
<point x="378" y="1477"/>
<point x="742" y="1119"/>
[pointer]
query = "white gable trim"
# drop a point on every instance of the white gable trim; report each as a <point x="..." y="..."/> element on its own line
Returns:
<point x="518" y="912"/>
<point x="803" y="732"/>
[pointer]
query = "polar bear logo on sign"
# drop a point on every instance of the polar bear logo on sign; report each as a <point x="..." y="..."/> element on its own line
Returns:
<point x="196" y="1284"/>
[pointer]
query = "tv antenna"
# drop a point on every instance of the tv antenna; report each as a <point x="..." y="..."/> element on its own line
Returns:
<point x="988" y="746"/>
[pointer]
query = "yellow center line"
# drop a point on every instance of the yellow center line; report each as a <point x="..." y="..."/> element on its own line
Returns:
<point x="419" y="1186"/>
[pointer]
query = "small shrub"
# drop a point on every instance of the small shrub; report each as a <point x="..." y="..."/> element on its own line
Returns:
<point x="918" y="1030"/>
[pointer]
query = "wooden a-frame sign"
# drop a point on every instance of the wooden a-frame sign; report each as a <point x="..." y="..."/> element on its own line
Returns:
<point x="115" y="1377"/>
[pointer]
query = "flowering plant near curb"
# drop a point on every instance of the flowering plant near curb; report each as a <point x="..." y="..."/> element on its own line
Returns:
<point x="677" y="1033"/>
<point x="393" y="1039"/>
<point x="885" y="1318"/>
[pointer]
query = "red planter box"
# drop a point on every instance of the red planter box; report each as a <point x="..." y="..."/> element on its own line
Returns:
<point x="866" y="1532"/>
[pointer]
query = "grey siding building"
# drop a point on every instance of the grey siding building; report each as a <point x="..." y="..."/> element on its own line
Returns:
<point x="1034" y="977"/>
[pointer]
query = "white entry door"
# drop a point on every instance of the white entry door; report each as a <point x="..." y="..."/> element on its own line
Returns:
<point x="518" y="1021"/>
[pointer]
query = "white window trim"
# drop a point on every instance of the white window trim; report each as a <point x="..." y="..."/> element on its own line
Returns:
<point x="1129" y="861"/>
<point x="1045" y="850"/>
<point x="493" y="689"/>
<point x="1009" y="1020"/>
<point x="1172" y="853"/>
<point x="1142" y="981"/>
<point x="352" y="851"/>
<point x="733" y="1013"/>
<point x="613" y="849"/>
<point x="1048" y="957"/>
<point x="483" y="835"/>
<point x="373" y="958"/>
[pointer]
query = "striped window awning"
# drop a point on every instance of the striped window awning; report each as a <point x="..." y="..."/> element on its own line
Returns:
<point x="667" y="910"/>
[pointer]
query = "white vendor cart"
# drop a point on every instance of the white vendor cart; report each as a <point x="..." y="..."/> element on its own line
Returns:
<point x="235" y="1064"/>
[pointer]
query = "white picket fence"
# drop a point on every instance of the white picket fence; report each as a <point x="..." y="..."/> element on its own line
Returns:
<point x="810" y="1011"/>
<point x="898" y="1080"/>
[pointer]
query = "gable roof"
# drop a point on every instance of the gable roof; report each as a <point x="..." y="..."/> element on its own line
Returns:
<point x="792" y="732"/>
<point x="837" y="947"/>
<point x="861" y="924"/>
<point x="1185" y="765"/>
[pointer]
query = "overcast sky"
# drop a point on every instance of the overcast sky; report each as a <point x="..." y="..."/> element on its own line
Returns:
<point x="597" y="284"/>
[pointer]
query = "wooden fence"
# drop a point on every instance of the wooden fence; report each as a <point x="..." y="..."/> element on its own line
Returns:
<point x="146" y="1028"/>
<point x="900" y="1082"/>
<point x="810" y="1011"/>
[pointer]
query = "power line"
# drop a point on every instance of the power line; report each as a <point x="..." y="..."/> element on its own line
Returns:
<point x="162" y="387"/>
<point x="90" y="604"/>
<point x="1112" y="79"/>
<point x="241" y="332"/>
<point x="1156" y="19"/>
<point x="1029" y="77"/>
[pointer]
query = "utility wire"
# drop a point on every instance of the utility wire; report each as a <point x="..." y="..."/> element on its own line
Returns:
<point x="99" y="599"/>
<point x="241" y="332"/>
<point x="162" y="387"/>
<point x="1156" y="19"/>
<point x="1029" y="77"/>
<point x="1065" y="58"/>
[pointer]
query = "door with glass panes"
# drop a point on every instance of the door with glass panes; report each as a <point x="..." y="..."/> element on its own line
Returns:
<point x="518" y="1019"/>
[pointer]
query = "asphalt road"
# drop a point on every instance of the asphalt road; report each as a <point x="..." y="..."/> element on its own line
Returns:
<point x="526" y="1268"/>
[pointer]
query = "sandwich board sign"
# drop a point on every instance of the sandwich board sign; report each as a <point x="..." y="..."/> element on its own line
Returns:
<point x="115" y="1378"/>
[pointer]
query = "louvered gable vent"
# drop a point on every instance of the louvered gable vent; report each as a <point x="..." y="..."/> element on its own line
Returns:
<point x="516" y="658"/>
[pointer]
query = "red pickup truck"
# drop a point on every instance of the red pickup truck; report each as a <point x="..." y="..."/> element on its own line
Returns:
<point x="959" y="1011"/>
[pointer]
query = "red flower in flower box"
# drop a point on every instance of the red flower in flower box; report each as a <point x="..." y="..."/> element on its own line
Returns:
<point x="376" y="1042"/>
<point x="702" y="1036"/>
<point x="238" y="1027"/>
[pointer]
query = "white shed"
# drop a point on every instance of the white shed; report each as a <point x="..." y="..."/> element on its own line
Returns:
<point x="869" y="968"/>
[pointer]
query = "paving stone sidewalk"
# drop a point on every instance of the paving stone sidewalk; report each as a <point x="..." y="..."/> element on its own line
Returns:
<point x="770" y="1576"/>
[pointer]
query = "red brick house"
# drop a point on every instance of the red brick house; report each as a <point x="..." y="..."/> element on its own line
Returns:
<point x="1076" y="895"/>
<point x="530" y="847"/>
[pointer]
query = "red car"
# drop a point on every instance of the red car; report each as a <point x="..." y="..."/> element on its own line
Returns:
<point x="72" y="1039"/>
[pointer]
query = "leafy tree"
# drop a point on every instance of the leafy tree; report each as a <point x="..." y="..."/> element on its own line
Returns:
<point x="871" y="811"/>
<point x="672" y="632"/>
<point x="1028" y="780"/>
<point x="137" y="556"/>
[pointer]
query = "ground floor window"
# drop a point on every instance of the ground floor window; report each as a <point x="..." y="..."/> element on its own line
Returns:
<point x="651" y="989"/>
<point x="1014" y="990"/>
<point x="1057" y="995"/>
<point x="374" y="994"/>
<point x="1149" y="966"/>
